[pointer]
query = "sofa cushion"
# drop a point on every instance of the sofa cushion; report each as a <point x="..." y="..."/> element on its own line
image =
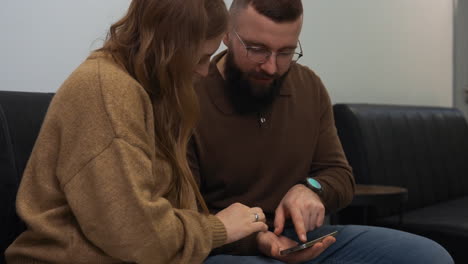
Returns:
<point x="446" y="223"/>
<point x="449" y="217"/>
<point x="21" y="116"/>
<point x="8" y="186"/>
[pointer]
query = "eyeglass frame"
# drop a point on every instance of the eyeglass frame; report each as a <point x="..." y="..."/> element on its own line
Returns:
<point x="249" y="48"/>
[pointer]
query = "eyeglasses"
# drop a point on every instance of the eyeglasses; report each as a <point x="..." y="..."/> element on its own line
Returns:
<point x="262" y="55"/>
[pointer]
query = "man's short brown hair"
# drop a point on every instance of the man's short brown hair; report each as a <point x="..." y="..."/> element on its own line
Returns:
<point x="276" y="10"/>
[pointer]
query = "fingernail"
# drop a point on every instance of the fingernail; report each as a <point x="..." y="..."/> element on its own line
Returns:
<point x="303" y="238"/>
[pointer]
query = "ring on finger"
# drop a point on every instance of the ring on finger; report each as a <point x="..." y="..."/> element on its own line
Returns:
<point x="257" y="217"/>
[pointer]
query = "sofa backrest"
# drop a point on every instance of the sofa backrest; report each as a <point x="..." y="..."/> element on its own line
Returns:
<point x="424" y="149"/>
<point x="21" y="116"/>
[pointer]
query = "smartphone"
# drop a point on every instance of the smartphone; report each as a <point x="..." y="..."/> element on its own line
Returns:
<point x="306" y="244"/>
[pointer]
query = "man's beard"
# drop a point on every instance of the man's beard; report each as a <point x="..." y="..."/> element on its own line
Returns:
<point x="247" y="98"/>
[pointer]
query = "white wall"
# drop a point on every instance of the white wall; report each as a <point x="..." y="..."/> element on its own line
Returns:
<point x="43" y="41"/>
<point x="376" y="51"/>
<point x="460" y="95"/>
<point x="382" y="51"/>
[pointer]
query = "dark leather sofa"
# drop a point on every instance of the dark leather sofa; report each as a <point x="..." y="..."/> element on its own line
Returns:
<point x="21" y="116"/>
<point x="424" y="149"/>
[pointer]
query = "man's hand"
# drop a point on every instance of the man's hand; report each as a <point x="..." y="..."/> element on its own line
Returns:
<point x="305" y="209"/>
<point x="271" y="244"/>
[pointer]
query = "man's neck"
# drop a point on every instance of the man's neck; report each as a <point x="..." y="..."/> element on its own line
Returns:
<point x="221" y="65"/>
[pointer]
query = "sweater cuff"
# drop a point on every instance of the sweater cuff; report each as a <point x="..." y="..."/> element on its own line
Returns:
<point x="218" y="231"/>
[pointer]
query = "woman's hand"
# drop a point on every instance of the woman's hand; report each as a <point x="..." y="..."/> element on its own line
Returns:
<point x="241" y="221"/>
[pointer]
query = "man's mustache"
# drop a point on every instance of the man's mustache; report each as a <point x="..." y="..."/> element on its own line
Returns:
<point x="264" y="75"/>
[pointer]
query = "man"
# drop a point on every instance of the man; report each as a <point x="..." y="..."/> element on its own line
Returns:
<point x="267" y="138"/>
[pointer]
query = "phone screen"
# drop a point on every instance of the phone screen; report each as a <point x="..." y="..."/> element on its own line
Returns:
<point x="306" y="244"/>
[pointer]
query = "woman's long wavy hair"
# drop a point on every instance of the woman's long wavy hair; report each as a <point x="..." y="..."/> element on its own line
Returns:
<point x="159" y="42"/>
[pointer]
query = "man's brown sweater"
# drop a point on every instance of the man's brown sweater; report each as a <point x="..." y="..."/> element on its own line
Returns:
<point x="256" y="158"/>
<point x="93" y="189"/>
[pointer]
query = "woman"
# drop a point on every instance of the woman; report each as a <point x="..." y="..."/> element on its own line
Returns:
<point x="108" y="180"/>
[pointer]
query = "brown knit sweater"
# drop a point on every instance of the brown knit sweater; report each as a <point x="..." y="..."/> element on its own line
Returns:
<point x="93" y="189"/>
<point x="255" y="159"/>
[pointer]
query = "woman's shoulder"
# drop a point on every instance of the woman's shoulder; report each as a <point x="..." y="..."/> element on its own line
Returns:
<point x="100" y="72"/>
<point x="103" y="90"/>
<point x="100" y="77"/>
<point x="125" y="100"/>
<point x="110" y="76"/>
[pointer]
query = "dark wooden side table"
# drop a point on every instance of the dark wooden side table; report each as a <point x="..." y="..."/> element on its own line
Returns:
<point x="368" y="196"/>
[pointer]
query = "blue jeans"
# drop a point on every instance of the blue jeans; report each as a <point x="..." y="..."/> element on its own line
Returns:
<point x="360" y="244"/>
